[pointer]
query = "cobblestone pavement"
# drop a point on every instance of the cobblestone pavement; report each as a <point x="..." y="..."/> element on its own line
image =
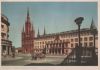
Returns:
<point x="26" y="60"/>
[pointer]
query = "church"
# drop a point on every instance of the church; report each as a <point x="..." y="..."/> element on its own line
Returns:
<point x="55" y="43"/>
<point x="28" y="34"/>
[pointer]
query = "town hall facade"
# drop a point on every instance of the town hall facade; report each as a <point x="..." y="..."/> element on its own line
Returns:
<point x="55" y="43"/>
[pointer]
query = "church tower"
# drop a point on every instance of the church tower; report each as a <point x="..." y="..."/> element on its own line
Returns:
<point x="28" y="35"/>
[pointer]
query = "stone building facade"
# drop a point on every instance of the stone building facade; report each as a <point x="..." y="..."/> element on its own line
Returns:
<point x="55" y="43"/>
<point x="60" y="43"/>
<point x="6" y="44"/>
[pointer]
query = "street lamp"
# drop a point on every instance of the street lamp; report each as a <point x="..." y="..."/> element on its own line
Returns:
<point x="78" y="21"/>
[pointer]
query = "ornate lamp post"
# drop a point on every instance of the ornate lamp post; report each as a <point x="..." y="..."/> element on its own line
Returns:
<point x="78" y="21"/>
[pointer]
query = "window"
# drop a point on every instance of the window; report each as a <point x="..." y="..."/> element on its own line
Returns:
<point x="63" y="40"/>
<point x="76" y="39"/>
<point x="85" y="39"/>
<point x="71" y="40"/>
<point x="67" y="40"/>
<point x="91" y="44"/>
<point x="85" y="44"/>
<point x="3" y="35"/>
<point x="96" y="38"/>
<point x="71" y="45"/>
<point x="81" y="44"/>
<point x="90" y="38"/>
<point x="80" y="39"/>
<point x="2" y="26"/>
<point x="76" y="44"/>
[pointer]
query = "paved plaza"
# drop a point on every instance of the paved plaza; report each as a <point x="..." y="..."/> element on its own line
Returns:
<point x="26" y="60"/>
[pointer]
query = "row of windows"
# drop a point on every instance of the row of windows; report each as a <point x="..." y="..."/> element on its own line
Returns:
<point x="65" y="40"/>
<point x="39" y="47"/>
<point x="72" y="45"/>
<point x="81" y="39"/>
<point x="75" y="34"/>
<point x="85" y="44"/>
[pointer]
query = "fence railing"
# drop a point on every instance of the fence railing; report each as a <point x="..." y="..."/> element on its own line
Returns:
<point x="87" y="56"/>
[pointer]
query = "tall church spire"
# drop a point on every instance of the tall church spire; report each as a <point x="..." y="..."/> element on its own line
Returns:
<point x="28" y="17"/>
<point x="28" y="22"/>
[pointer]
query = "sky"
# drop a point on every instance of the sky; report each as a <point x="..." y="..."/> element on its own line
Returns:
<point x="54" y="16"/>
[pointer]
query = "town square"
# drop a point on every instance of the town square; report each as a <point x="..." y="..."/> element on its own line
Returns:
<point x="49" y="34"/>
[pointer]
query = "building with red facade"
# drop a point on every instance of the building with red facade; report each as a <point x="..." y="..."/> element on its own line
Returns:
<point x="28" y="34"/>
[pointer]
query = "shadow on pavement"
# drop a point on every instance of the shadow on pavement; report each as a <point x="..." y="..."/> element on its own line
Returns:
<point x="40" y="64"/>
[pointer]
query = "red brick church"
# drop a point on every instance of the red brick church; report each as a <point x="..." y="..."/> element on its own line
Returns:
<point x="28" y="35"/>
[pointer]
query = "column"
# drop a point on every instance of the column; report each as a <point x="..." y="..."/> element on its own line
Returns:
<point x="51" y="49"/>
<point x="61" y="49"/>
<point x="57" y="48"/>
<point x="6" y="50"/>
<point x="64" y="48"/>
<point x="54" y="47"/>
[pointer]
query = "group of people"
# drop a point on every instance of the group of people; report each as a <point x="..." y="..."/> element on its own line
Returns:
<point x="35" y="56"/>
<point x="5" y="54"/>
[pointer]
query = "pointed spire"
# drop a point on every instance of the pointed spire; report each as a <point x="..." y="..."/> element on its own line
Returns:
<point x="93" y="27"/>
<point x="38" y="33"/>
<point x="44" y="30"/>
<point x="28" y="22"/>
<point x="28" y="16"/>
<point x="27" y="12"/>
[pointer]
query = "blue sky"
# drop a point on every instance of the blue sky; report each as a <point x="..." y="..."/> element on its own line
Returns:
<point x="55" y="16"/>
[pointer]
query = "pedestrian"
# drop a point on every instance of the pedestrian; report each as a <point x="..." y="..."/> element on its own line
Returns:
<point x="4" y="54"/>
<point x="32" y="55"/>
<point x="13" y="55"/>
